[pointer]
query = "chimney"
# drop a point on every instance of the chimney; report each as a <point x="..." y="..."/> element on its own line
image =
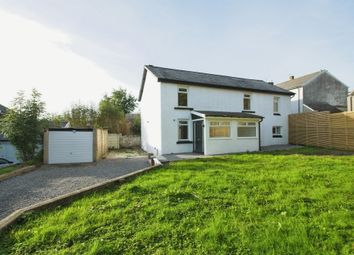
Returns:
<point x="270" y="82"/>
<point x="292" y="77"/>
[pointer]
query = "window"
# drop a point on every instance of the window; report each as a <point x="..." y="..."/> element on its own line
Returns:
<point x="276" y="104"/>
<point x="246" y="102"/>
<point x="247" y="129"/>
<point x="183" y="130"/>
<point x="276" y="130"/>
<point x="182" y="97"/>
<point x="219" y="129"/>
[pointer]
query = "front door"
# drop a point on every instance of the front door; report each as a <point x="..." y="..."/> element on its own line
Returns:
<point x="198" y="136"/>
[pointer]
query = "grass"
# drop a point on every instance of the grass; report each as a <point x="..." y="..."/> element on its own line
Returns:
<point x="8" y="169"/>
<point x="291" y="202"/>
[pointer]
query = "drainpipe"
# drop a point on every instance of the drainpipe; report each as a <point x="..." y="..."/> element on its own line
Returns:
<point x="259" y="134"/>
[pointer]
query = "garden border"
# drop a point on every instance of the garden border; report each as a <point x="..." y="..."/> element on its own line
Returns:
<point x="22" y="170"/>
<point x="70" y="197"/>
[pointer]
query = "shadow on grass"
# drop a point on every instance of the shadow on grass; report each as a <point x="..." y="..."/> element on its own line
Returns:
<point x="310" y="151"/>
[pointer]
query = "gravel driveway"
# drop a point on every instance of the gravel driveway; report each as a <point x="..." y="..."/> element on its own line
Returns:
<point x="51" y="181"/>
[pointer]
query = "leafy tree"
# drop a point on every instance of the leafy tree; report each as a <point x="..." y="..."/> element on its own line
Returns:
<point x="136" y="125"/>
<point x="82" y="116"/>
<point x="122" y="99"/>
<point x="110" y="115"/>
<point x="22" y="124"/>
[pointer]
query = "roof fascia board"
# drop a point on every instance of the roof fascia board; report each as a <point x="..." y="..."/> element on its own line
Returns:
<point x="223" y="87"/>
<point x="232" y="118"/>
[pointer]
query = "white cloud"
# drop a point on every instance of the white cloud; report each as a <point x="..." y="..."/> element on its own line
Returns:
<point x="35" y="56"/>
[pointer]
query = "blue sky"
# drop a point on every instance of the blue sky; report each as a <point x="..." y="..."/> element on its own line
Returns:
<point x="76" y="50"/>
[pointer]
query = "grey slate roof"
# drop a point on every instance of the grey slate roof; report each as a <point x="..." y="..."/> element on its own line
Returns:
<point x="299" y="82"/>
<point x="321" y="107"/>
<point x="3" y="109"/>
<point x="229" y="114"/>
<point x="210" y="80"/>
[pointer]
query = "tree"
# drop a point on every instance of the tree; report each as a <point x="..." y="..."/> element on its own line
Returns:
<point x="109" y="115"/>
<point x="82" y="116"/>
<point x="22" y="124"/>
<point x="136" y="125"/>
<point x="121" y="99"/>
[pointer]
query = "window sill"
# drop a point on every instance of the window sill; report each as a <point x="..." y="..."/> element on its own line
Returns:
<point x="276" y="114"/>
<point x="277" y="136"/>
<point x="248" y="111"/>
<point x="220" y="138"/>
<point x="184" y="142"/>
<point x="183" y="108"/>
<point x="242" y="138"/>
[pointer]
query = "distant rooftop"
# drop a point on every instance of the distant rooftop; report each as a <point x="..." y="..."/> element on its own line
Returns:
<point x="294" y="83"/>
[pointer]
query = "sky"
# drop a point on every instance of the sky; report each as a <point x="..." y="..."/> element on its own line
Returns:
<point x="77" y="50"/>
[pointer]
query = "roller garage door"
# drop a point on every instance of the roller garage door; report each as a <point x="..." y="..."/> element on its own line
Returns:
<point x="70" y="146"/>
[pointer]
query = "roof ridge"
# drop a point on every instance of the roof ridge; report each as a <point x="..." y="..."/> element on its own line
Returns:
<point x="300" y="77"/>
<point x="204" y="73"/>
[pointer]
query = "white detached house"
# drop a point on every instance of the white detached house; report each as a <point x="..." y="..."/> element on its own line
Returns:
<point x="184" y="111"/>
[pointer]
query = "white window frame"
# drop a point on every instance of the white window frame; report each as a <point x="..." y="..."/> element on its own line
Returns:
<point x="179" y="125"/>
<point x="220" y="123"/>
<point x="276" y="101"/>
<point x="184" y="91"/>
<point x="279" y="133"/>
<point x="249" y="97"/>
<point x="247" y="124"/>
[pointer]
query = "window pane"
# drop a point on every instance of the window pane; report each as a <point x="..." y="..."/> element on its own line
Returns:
<point x="219" y="132"/>
<point x="276" y="130"/>
<point x="182" y="99"/>
<point x="183" y="132"/>
<point x="182" y="90"/>
<point x="246" y="131"/>
<point x="247" y="104"/>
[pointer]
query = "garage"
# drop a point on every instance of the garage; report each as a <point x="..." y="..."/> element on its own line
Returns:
<point x="74" y="145"/>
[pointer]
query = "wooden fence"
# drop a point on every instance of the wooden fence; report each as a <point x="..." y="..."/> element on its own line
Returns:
<point x="322" y="129"/>
<point x="100" y="143"/>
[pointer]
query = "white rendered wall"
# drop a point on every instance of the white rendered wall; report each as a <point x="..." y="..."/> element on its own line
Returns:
<point x="212" y="99"/>
<point x="297" y="100"/>
<point x="151" y="115"/>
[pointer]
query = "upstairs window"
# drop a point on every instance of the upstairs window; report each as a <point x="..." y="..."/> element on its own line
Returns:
<point x="246" y="102"/>
<point x="183" y="130"/>
<point x="219" y="129"/>
<point x="276" y="104"/>
<point x="182" y="97"/>
<point x="247" y="129"/>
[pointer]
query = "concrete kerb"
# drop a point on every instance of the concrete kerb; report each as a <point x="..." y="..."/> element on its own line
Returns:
<point x="67" y="198"/>
<point x="17" y="172"/>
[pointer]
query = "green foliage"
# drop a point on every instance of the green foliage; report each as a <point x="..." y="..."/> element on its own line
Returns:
<point x="261" y="203"/>
<point x="123" y="100"/>
<point x="82" y="116"/>
<point x="112" y="110"/>
<point x="22" y="124"/>
<point x="136" y="125"/>
<point x="109" y="115"/>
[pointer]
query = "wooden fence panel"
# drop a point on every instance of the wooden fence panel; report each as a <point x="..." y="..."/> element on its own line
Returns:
<point x="100" y="143"/>
<point x="322" y="129"/>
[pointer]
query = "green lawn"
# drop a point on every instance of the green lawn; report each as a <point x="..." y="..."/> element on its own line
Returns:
<point x="292" y="202"/>
<point x="8" y="169"/>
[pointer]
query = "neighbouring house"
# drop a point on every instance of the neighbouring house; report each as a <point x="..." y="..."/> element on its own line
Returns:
<point x="7" y="149"/>
<point x="319" y="91"/>
<point x="184" y="111"/>
<point x="350" y="102"/>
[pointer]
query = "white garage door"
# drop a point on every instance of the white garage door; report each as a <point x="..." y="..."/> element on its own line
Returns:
<point x="70" y="146"/>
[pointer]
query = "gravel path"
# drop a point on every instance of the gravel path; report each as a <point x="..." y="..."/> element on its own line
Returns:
<point x="51" y="181"/>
